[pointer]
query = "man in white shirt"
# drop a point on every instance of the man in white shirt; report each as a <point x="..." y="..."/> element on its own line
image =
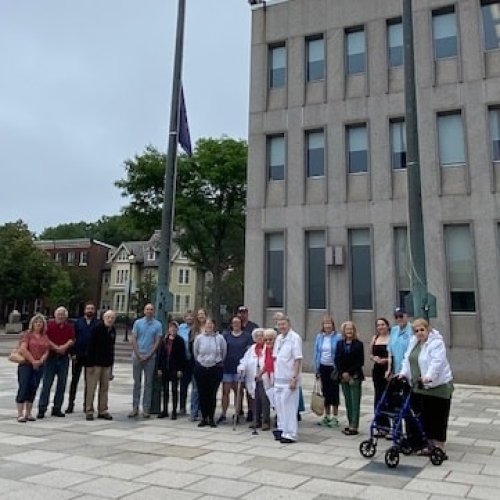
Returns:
<point x="287" y="355"/>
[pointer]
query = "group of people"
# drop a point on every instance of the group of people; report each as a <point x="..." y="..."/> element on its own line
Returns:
<point x="47" y="348"/>
<point x="413" y="352"/>
<point x="261" y="366"/>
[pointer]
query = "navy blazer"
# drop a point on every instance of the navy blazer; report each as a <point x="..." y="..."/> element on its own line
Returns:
<point x="350" y="360"/>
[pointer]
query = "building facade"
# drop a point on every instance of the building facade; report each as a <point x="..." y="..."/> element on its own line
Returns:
<point x="326" y="207"/>
<point x="131" y="274"/>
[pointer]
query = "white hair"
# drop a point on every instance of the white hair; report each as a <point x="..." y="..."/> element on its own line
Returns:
<point x="61" y="309"/>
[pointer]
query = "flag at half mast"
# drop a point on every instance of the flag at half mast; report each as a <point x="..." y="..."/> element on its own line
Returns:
<point x="184" y="136"/>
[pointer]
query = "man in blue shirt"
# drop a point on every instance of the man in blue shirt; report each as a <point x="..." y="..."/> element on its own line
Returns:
<point x="146" y="337"/>
<point x="184" y="332"/>
<point x="399" y="339"/>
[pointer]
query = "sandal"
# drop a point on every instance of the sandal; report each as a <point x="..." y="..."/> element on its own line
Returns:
<point x="21" y="420"/>
<point x="31" y="418"/>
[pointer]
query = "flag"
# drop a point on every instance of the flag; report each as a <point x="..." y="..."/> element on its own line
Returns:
<point x="184" y="137"/>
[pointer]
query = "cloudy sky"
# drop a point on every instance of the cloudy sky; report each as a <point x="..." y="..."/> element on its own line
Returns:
<point x="85" y="84"/>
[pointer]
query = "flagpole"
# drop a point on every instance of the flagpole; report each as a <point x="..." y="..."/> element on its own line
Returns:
<point x="163" y="295"/>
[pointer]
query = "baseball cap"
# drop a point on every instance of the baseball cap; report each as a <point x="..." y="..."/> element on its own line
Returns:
<point x="242" y="308"/>
<point x="399" y="311"/>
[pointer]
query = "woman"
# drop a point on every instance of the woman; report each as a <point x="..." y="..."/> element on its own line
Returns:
<point x="171" y="364"/>
<point x="198" y="325"/>
<point x="380" y="357"/>
<point x="34" y="347"/>
<point x="209" y="352"/>
<point x="428" y="371"/>
<point x="325" y="347"/>
<point x="349" y="360"/>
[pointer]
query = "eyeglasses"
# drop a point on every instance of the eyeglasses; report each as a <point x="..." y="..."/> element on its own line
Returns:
<point x="268" y="340"/>
<point x="399" y="316"/>
<point x="420" y="330"/>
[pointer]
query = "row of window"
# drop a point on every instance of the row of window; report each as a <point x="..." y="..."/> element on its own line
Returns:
<point x="444" y="37"/>
<point x="183" y="276"/>
<point x="121" y="276"/>
<point x="459" y="256"/>
<point x="182" y="302"/>
<point x="451" y="145"/>
<point x="72" y="258"/>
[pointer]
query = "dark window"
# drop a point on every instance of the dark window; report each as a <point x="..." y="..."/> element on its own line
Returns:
<point x="357" y="149"/>
<point x="355" y="51"/>
<point x="444" y="29"/>
<point x="315" y="141"/>
<point x="276" y="157"/>
<point x="277" y="66"/>
<point x="316" y="270"/>
<point x="361" y="269"/>
<point x="315" y="47"/>
<point x="491" y="24"/>
<point x="395" y="48"/>
<point x="494" y="119"/>
<point x="275" y="263"/>
<point x="398" y="144"/>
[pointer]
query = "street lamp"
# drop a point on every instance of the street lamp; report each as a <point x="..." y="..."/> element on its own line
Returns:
<point x="131" y="261"/>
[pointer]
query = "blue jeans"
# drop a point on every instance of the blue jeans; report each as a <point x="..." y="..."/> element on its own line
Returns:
<point x="29" y="380"/>
<point x="148" y="367"/>
<point x="195" y="400"/>
<point x="54" y="366"/>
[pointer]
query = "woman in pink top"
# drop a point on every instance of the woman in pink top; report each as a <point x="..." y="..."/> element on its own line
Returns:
<point x="34" y="346"/>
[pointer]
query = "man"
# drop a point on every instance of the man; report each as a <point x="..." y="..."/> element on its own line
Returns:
<point x="146" y="337"/>
<point x="83" y="327"/>
<point x="246" y="325"/>
<point x="100" y="358"/>
<point x="287" y="353"/>
<point x="61" y="335"/>
<point x="187" y="375"/>
<point x="399" y="339"/>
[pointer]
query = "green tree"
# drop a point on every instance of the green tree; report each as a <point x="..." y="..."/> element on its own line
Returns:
<point x="209" y="207"/>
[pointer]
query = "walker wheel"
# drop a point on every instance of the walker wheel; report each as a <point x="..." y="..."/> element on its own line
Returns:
<point x="437" y="456"/>
<point x="392" y="457"/>
<point x="367" y="448"/>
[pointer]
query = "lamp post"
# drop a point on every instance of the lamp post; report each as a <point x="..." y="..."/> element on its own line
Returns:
<point x="131" y="261"/>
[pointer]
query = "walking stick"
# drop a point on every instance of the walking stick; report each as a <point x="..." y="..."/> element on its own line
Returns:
<point x="254" y="432"/>
<point x="238" y="403"/>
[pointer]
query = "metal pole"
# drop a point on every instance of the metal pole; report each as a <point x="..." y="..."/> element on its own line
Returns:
<point x="163" y="297"/>
<point x="418" y="277"/>
<point x="128" y="299"/>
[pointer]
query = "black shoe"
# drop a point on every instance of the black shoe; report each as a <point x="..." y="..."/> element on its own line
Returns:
<point x="57" y="413"/>
<point x="203" y="423"/>
<point x="174" y="416"/>
<point x="221" y="419"/>
<point x="277" y="434"/>
<point x="70" y="408"/>
<point x="249" y="416"/>
<point x="89" y="416"/>
<point x="211" y="423"/>
<point x="105" y="416"/>
<point x="41" y="414"/>
<point x="286" y="441"/>
<point x="163" y="414"/>
<point x="182" y="412"/>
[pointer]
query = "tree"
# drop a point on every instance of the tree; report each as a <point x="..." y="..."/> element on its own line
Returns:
<point x="209" y="208"/>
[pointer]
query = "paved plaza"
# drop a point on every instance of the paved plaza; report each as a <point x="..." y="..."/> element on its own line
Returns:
<point x="71" y="458"/>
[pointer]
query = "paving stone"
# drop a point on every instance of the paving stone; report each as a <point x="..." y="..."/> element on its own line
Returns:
<point x="107" y="487"/>
<point x="219" y="457"/>
<point x="273" y="493"/>
<point x="225" y="470"/>
<point x="278" y="479"/>
<point x="385" y="493"/>
<point x="174" y="463"/>
<point x="129" y="457"/>
<point x="59" y="478"/>
<point x="39" y="493"/>
<point x="474" y="479"/>
<point x="17" y="471"/>
<point x="437" y="487"/>
<point x="122" y="471"/>
<point x="483" y="493"/>
<point x="323" y="486"/>
<point x="316" y="458"/>
<point x="36" y="457"/>
<point x="171" y="479"/>
<point x="223" y="487"/>
<point x="77" y="463"/>
<point x="156" y="493"/>
<point x="322" y="471"/>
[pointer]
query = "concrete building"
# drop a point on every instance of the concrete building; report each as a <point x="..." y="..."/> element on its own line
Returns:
<point x="131" y="274"/>
<point x="326" y="209"/>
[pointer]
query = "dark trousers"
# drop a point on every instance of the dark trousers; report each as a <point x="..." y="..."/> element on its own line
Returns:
<point x="208" y="381"/>
<point x="379" y="385"/>
<point x="29" y="380"/>
<point x="172" y="380"/>
<point x="77" y="366"/>
<point x="329" y="388"/>
<point x="434" y="413"/>
<point x="187" y="376"/>
<point x="262" y="406"/>
<point x="55" y="366"/>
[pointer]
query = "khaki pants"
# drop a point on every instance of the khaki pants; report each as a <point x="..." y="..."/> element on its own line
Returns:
<point x="94" y="375"/>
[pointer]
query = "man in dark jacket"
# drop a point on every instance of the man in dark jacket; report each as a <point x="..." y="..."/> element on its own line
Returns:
<point x="83" y="327"/>
<point x="100" y="359"/>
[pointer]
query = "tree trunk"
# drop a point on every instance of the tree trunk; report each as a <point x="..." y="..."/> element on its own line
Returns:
<point x="216" y="297"/>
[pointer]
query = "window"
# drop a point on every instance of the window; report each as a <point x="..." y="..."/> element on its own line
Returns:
<point x="275" y="264"/>
<point x="315" y="50"/>
<point x="361" y="269"/>
<point x="316" y="270"/>
<point x="357" y="149"/>
<point x="105" y="278"/>
<point x="402" y="260"/>
<point x="121" y="276"/>
<point x="187" y="302"/>
<point x="71" y="258"/>
<point x="83" y="258"/>
<point x="444" y="29"/>
<point x="276" y="157"/>
<point x="494" y="119"/>
<point x="58" y="257"/>
<point x="315" y="143"/>
<point x="460" y="266"/>
<point x="451" y="139"/>
<point x="355" y="51"/>
<point x="277" y="66"/>
<point x="395" y="48"/>
<point x="398" y="143"/>
<point x="183" y="277"/>
<point x="151" y="254"/>
<point x="122" y="256"/>
<point x="120" y="302"/>
<point x="491" y="24"/>
<point x="177" y="305"/>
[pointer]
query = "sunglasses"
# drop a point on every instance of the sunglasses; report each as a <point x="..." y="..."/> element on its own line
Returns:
<point x="399" y="316"/>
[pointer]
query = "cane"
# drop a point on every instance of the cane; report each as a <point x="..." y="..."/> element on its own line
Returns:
<point x="254" y="432"/>
<point x="238" y="403"/>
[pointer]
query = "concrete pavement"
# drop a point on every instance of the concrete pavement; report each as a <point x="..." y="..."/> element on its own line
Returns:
<point x="61" y="458"/>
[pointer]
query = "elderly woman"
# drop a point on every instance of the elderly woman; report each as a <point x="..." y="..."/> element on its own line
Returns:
<point x="349" y="360"/>
<point x="209" y="352"/>
<point x="325" y="347"/>
<point x="34" y="347"/>
<point x="428" y="371"/>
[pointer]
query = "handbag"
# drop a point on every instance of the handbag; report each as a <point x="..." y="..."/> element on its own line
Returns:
<point x="16" y="357"/>
<point x="317" y="400"/>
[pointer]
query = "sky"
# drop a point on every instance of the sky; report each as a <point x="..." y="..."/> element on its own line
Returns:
<point x="85" y="84"/>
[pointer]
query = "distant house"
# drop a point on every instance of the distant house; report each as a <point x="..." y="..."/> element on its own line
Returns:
<point x="130" y="277"/>
<point x="83" y="255"/>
